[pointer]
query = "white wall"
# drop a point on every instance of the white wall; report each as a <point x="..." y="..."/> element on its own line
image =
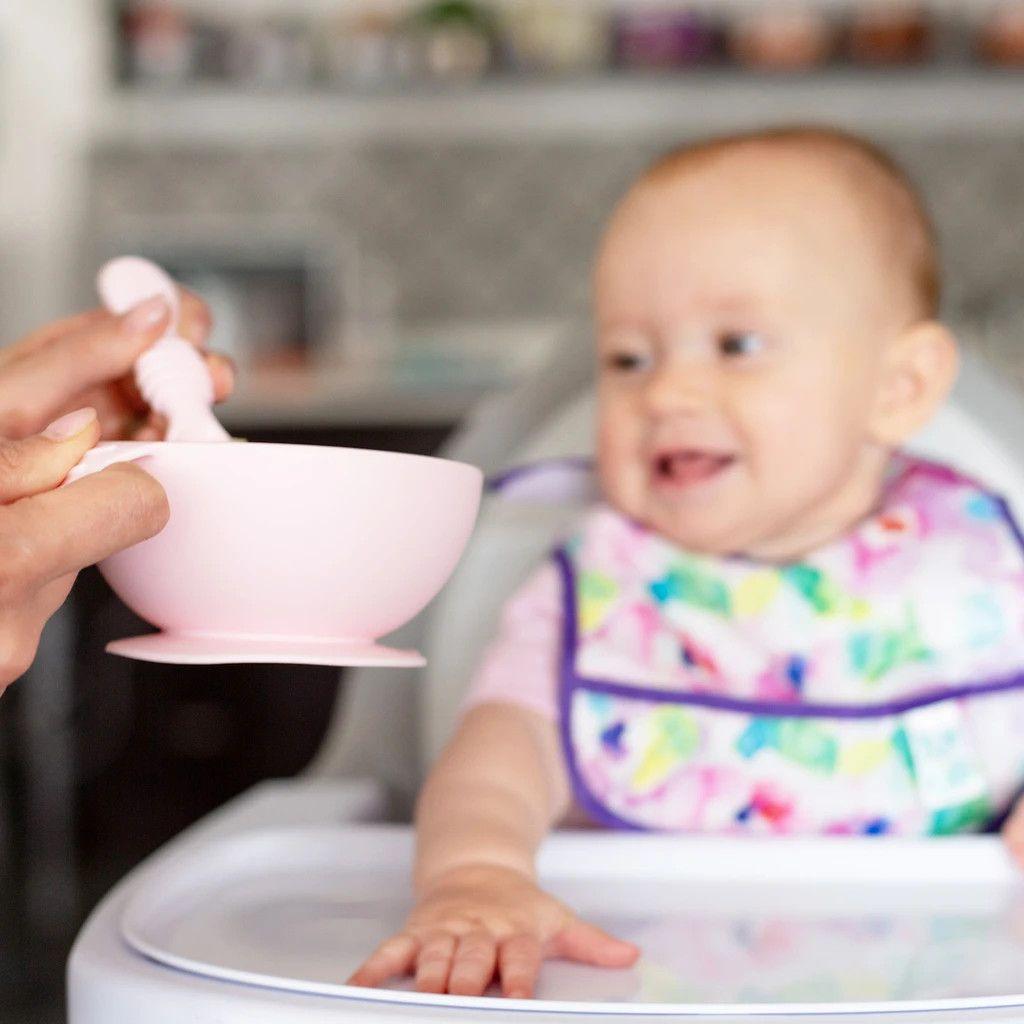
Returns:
<point x="51" y="69"/>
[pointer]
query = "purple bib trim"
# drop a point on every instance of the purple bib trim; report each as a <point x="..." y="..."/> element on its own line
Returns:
<point x="788" y="709"/>
<point x="561" y="480"/>
<point x="569" y="681"/>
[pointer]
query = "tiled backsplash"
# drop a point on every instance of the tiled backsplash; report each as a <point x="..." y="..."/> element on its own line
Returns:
<point x="504" y="231"/>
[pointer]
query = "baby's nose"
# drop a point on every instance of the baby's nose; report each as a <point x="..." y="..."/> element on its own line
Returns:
<point x="680" y="389"/>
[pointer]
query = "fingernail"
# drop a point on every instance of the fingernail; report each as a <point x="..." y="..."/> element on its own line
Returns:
<point x="70" y="425"/>
<point x="145" y="315"/>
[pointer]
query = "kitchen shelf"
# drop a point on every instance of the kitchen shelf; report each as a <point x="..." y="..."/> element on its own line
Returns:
<point x="356" y="396"/>
<point x="914" y="101"/>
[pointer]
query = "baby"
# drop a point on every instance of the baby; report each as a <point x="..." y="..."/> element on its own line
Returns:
<point x="777" y="623"/>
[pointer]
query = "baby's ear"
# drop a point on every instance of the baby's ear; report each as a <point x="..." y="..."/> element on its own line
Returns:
<point x="920" y="368"/>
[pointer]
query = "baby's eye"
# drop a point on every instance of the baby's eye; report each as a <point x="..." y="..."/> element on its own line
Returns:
<point x="740" y="343"/>
<point x="627" y="362"/>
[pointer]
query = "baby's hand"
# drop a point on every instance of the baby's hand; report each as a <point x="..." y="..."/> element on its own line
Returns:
<point x="1013" y="832"/>
<point x="480" y="923"/>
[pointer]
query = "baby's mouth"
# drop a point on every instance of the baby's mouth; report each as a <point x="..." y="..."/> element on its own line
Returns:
<point x="686" y="466"/>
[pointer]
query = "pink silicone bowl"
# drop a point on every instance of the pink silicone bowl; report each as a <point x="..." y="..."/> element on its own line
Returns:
<point x="289" y="553"/>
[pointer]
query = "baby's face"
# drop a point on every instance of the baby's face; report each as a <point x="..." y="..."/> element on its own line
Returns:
<point x="741" y="317"/>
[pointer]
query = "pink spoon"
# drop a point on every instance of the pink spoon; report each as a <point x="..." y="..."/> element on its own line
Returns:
<point x="171" y="374"/>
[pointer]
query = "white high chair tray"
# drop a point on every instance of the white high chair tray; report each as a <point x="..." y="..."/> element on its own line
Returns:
<point x="727" y="926"/>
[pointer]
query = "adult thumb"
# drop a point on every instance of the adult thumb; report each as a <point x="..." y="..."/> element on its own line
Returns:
<point x="39" y="463"/>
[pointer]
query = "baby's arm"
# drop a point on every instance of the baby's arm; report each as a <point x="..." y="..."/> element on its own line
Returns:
<point x="1013" y="832"/>
<point x="496" y="790"/>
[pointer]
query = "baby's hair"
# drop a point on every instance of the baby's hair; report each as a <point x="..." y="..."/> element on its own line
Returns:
<point x="892" y="200"/>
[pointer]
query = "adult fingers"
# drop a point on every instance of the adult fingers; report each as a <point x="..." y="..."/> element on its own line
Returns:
<point x="392" y="958"/>
<point x="434" y="963"/>
<point x="194" y="323"/>
<point x="152" y="428"/>
<point x="476" y="955"/>
<point x="45" y="334"/>
<point x="62" y="531"/>
<point x="40" y="463"/>
<point x="194" y="320"/>
<point x="115" y="413"/>
<point x="588" y="944"/>
<point x="40" y="383"/>
<point x="51" y="596"/>
<point x="19" y="641"/>
<point x="21" y="624"/>
<point x="222" y="373"/>
<point x="519" y="961"/>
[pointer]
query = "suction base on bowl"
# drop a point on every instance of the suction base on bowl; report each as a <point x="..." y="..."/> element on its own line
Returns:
<point x="206" y="649"/>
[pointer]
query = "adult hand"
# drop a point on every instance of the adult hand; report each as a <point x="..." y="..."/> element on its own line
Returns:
<point x="47" y="535"/>
<point x="82" y="363"/>
<point x="86" y="361"/>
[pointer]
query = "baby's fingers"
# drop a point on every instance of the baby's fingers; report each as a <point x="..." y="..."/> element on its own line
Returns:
<point x="434" y="963"/>
<point x="1013" y="834"/>
<point x="519" y="963"/>
<point x="476" y="955"/>
<point x="588" y="944"/>
<point x="391" y="959"/>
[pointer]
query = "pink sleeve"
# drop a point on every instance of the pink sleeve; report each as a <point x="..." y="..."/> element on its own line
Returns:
<point x="520" y="665"/>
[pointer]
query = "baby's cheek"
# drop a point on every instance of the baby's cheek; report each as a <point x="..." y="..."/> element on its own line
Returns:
<point x="620" y="462"/>
<point x="618" y="469"/>
<point x="792" y="431"/>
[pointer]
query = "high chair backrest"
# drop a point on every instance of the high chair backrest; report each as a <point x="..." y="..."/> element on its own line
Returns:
<point x="511" y="539"/>
<point x="979" y="431"/>
<point x="376" y="725"/>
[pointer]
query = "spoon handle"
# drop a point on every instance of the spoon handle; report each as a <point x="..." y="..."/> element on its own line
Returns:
<point x="171" y="374"/>
<point x="126" y="281"/>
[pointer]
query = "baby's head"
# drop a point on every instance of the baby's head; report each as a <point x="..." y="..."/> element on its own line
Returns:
<point x="765" y="310"/>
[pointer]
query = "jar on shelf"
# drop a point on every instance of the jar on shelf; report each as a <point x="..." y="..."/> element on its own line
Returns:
<point x="271" y="53"/>
<point x="890" y="33"/>
<point x="664" y="37"/>
<point x="781" y="37"/>
<point x="1001" y="37"/>
<point x="365" y="49"/>
<point x="452" y="40"/>
<point x="555" y="36"/>
<point x="158" y="44"/>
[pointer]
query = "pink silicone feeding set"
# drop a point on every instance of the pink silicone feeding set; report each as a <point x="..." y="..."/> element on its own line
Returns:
<point x="273" y="552"/>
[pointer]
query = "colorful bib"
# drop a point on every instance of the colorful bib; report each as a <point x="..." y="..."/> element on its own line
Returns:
<point x="875" y="687"/>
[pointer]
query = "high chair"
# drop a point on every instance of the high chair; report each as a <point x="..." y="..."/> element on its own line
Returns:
<point x="237" y="920"/>
<point x="387" y="730"/>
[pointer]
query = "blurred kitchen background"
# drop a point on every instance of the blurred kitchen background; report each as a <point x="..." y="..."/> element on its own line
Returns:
<point x="391" y="206"/>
